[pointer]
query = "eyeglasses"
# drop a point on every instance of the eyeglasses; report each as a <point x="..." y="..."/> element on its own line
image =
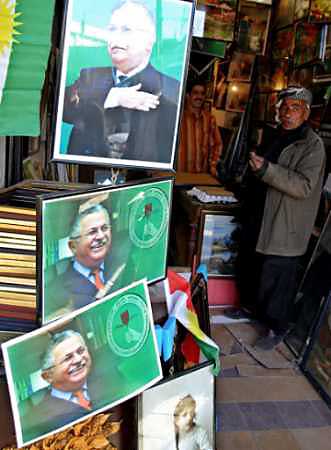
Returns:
<point x="93" y="232"/>
<point x="69" y="357"/>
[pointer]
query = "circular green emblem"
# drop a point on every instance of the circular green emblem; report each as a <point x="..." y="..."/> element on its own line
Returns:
<point x="149" y="218"/>
<point x="128" y="325"/>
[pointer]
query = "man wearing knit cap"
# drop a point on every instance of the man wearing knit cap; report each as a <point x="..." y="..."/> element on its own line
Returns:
<point x="292" y="171"/>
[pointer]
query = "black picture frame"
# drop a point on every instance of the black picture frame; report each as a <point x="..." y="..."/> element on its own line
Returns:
<point x="100" y="131"/>
<point x="132" y="209"/>
<point x="156" y="406"/>
<point x="217" y="245"/>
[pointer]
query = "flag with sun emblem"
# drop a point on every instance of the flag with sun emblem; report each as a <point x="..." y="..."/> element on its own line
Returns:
<point x="25" y="28"/>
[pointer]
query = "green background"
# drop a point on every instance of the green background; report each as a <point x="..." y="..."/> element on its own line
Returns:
<point x="117" y="376"/>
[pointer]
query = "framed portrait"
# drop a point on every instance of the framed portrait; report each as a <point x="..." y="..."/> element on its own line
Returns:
<point x="121" y="82"/>
<point x="179" y="409"/>
<point x="237" y="96"/>
<point x="284" y="13"/>
<point x="279" y="74"/>
<point x="253" y="27"/>
<point x="301" y="9"/>
<point x="93" y="243"/>
<point x="316" y="362"/>
<point x="307" y="46"/>
<point x="220" y="19"/>
<point x="241" y="67"/>
<point x="320" y="11"/>
<point x="218" y="243"/>
<point x="68" y="364"/>
<point x="283" y="43"/>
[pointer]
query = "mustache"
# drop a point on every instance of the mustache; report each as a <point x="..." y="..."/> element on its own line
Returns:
<point x="77" y="367"/>
<point x="100" y="242"/>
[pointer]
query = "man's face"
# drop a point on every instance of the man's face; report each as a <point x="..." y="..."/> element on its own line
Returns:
<point x="197" y="96"/>
<point x="72" y="364"/>
<point x="292" y="113"/>
<point x="131" y="37"/>
<point x="91" y="247"/>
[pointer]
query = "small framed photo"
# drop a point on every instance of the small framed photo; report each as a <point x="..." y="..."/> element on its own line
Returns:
<point x="237" y="96"/>
<point x="320" y="11"/>
<point x="241" y="67"/>
<point x="179" y="410"/>
<point x="316" y="362"/>
<point x="93" y="243"/>
<point x="253" y="28"/>
<point x="218" y="243"/>
<point x="220" y="19"/>
<point x="121" y="82"/>
<point x="283" y="43"/>
<point x="307" y="43"/>
<point x="284" y="13"/>
<point x="89" y="361"/>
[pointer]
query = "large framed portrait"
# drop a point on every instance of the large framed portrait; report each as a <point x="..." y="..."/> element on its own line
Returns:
<point x="96" y="242"/>
<point x="218" y="243"/>
<point x="121" y="82"/>
<point x="316" y="362"/>
<point x="180" y="409"/>
<point x="90" y="360"/>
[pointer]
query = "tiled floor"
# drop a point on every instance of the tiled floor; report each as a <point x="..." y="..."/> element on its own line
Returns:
<point x="261" y="408"/>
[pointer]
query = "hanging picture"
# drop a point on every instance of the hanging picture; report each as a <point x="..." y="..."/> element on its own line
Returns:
<point x="218" y="243"/>
<point x="94" y="243"/>
<point x="284" y="13"/>
<point x="302" y="76"/>
<point x="307" y="43"/>
<point x="237" y="96"/>
<point x="317" y="359"/>
<point x="85" y="363"/>
<point x="241" y="67"/>
<point x="220" y="19"/>
<point x="253" y="27"/>
<point x="121" y="83"/>
<point x="320" y="11"/>
<point x="279" y="74"/>
<point x="220" y="85"/>
<point x="301" y="9"/>
<point x="179" y="412"/>
<point x="283" y="43"/>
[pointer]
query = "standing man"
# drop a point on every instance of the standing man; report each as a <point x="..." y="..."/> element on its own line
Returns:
<point x="200" y="144"/>
<point x="292" y="170"/>
<point x="130" y="103"/>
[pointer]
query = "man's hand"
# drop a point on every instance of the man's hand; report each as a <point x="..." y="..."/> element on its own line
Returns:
<point x="132" y="98"/>
<point x="256" y="162"/>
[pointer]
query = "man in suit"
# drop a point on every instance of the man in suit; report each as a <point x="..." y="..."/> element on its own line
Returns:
<point x="128" y="110"/>
<point x="92" y="272"/>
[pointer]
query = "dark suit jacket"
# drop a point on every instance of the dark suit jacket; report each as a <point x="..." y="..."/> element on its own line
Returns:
<point x="150" y="132"/>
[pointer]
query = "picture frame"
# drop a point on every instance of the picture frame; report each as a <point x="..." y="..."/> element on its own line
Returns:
<point x="301" y="9"/>
<point x="316" y="360"/>
<point x="253" y="28"/>
<point x="307" y="47"/>
<point x="237" y="96"/>
<point x="220" y="19"/>
<point x="320" y="11"/>
<point x="283" y="43"/>
<point x="191" y="390"/>
<point x="218" y="243"/>
<point x="107" y="339"/>
<point x="241" y="67"/>
<point x="284" y="13"/>
<point x="279" y="74"/>
<point x="135" y="125"/>
<point x="133" y="225"/>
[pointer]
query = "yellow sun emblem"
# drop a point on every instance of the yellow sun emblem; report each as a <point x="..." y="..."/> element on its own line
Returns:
<point x="7" y="24"/>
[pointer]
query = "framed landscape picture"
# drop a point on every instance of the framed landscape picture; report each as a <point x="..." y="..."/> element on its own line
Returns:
<point x="220" y="19"/>
<point x="87" y="362"/>
<point x="179" y="410"/>
<point x="120" y="94"/>
<point x="93" y="243"/>
<point x="218" y="243"/>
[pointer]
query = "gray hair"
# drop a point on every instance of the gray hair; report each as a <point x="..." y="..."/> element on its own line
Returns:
<point x="75" y="229"/>
<point x="296" y="93"/>
<point x="47" y="361"/>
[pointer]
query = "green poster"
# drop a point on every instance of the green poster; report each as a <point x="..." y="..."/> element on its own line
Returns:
<point x="85" y="363"/>
<point x="97" y="242"/>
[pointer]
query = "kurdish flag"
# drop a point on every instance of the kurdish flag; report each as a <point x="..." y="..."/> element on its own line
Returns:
<point x="182" y="308"/>
<point x="25" y="29"/>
